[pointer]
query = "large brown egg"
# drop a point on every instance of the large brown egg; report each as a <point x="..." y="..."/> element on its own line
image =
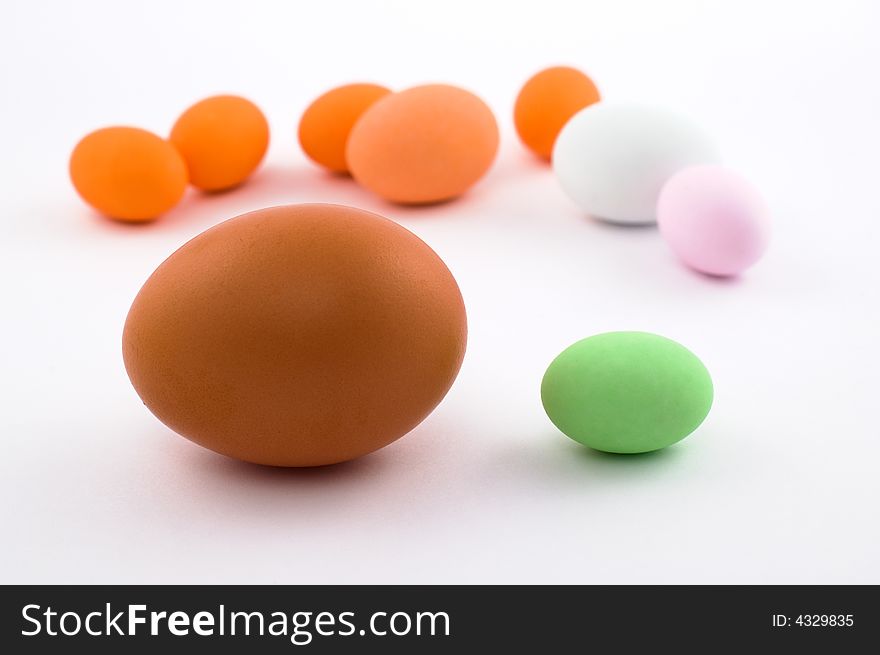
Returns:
<point x="297" y="336"/>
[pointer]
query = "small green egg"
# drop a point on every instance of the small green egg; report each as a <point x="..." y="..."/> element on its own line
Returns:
<point x="627" y="392"/>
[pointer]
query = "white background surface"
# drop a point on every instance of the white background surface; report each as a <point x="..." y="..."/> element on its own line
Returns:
<point x="779" y="485"/>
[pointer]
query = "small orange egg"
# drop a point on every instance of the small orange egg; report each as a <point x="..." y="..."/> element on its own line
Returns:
<point x="327" y="122"/>
<point x="223" y="139"/>
<point x="546" y="102"/>
<point x="128" y="173"/>
<point x="426" y="144"/>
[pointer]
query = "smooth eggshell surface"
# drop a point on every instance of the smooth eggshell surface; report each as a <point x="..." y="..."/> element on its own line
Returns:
<point x="425" y="144"/>
<point x="223" y="139"/>
<point x="327" y="123"/>
<point x="612" y="160"/>
<point x="296" y="336"/>
<point x="713" y="219"/>
<point x="128" y="173"/>
<point x="545" y="104"/>
<point x="627" y="392"/>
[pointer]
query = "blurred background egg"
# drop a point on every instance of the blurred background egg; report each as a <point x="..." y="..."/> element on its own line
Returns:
<point x="425" y="144"/>
<point x="128" y="173"/>
<point x="327" y="122"/>
<point x="713" y="219"/>
<point x="300" y="335"/>
<point x="612" y="160"/>
<point x="223" y="139"/>
<point x="545" y="104"/>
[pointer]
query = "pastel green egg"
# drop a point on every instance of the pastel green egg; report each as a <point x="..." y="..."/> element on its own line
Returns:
<point x="627" y="392"/>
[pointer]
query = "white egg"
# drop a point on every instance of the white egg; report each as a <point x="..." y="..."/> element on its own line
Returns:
<point x="614" y="159"/>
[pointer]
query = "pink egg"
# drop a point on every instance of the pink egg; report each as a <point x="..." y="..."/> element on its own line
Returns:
<point x="713" y="219"/>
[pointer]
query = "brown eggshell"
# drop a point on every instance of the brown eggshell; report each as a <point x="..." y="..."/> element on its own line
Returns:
<point x="297" y="336"/>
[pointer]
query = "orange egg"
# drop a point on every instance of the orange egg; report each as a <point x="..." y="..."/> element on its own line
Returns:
<point x="422" y="145"/>
<point x="223" y="139"/>
<point x="128" y="173"/>
<point x="327" y="122"/>
<point x="545" y="104"/>
<point x="297" y="336"/>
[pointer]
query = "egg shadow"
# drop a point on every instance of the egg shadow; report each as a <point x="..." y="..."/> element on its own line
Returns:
<point x="553" y="460"/>
<point x="193" y="489"/>
<point x="690" y="273"/>
<point x="109" y="225"/>
<point x="607" y="224"/>
<point x="446" y="209"/>
<point x="607" y="459"/>
<point x="718" y="280"/>
<point x="247" y="474"/>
